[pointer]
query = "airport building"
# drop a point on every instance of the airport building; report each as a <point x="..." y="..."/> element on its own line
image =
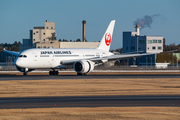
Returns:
<point x="133" y="42"/>
<point x="45" y="37"/>
<point x="57" y="44"/>
<point x="43" y="34"/>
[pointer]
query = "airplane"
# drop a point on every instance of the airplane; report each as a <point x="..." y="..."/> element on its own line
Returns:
<point x="81" y="60"/>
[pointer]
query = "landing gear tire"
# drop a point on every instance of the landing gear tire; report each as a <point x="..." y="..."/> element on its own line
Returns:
<point x="82" y="74"/>
<point x="25" y="73"/>
<point x="53" y="72"/>
<point x="56" y="72"/>
<point x="50" y="72"/>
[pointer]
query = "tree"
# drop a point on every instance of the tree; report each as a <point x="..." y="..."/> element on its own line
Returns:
<point x="15" y="43"/>
<point x="64" y="40"/>
<point x="166" y="58"/>
<point x="19" y="43"/>
<point x="1" y="48"/>
<point x="119" y="50"/>
<point x="78" y="40"/>
<point x="171" y="47"/>
<point x="12" y="47"/>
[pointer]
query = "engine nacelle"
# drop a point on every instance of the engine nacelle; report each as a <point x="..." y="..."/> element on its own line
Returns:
<point x="83" y="66"/>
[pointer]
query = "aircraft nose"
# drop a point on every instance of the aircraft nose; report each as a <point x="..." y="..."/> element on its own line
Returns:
<point x="18" y="62"/>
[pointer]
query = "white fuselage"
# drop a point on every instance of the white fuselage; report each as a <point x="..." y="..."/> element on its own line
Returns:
<point x="52" y="58"/>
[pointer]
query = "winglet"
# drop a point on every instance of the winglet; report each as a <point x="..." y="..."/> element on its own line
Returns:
<point x="107" y="37"/>
<point x="11" y="52"/>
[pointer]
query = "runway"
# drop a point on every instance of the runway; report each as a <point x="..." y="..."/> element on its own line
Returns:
<point x="90" y="101"/>
<point x="99" y="76"/>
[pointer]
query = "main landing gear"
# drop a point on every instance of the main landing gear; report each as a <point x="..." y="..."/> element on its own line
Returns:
<point x="53" y="72"/>
<point x="82" y="74"/>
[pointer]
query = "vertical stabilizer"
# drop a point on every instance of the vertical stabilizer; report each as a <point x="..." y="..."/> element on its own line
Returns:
<point x="107" y="37"/>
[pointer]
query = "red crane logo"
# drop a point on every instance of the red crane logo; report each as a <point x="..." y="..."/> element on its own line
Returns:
<point x="108" y="39"/>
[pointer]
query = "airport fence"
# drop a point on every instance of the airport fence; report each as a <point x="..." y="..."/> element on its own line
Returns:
<point x="137" y="68"/>
<point x="12" y="67"/>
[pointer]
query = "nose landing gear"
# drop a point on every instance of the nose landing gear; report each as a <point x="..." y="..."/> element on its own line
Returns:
<point x="25" y="71"/>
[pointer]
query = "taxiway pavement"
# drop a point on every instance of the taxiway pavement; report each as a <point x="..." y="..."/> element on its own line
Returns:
<point x="90" y="101"/>
<point x="100" y="76"/>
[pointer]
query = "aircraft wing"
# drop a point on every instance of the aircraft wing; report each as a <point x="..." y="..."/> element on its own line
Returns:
<point x="123" y="56"/>
<point x="112" y="57"/>
<point x="11" y="52"/>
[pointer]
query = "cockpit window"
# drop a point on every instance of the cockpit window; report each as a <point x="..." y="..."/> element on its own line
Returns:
<point x="24" y="56"/>
<point x="20" y="56"/>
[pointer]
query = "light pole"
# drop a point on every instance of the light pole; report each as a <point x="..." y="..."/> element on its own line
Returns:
<point x="146" y="62"/>
<point x="177" y="62"/>
<point x="151" y="60"/>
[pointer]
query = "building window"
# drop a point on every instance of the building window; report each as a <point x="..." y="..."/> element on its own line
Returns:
<point x="43" y="39"/>
<point x="43" y="33"/>
<point x="159" y="41"/>
<point x="126" y="48"/>
<point x="153" y="47"/>
<point x="154" y="41"/>
<point x="159" y="48"/>
<point x="141" y="41"/>
<point x="132" y="41"/>
<point x="51" y="27"/>
<point x="44" y="46"/>
<point x="38" y="47"/>
<point x="46" y="27"/>
<point x="148" y="48"/>
<point x="36" y="31"/>
<point x="149" y="41"/>
<point x="34" y="39"/>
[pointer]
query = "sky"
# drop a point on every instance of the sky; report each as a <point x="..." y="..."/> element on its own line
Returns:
<point x="17" y="17"/>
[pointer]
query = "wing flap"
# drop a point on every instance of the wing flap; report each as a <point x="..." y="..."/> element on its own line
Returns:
<point x="120" y="57"/>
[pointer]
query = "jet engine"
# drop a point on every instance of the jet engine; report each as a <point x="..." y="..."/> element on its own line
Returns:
<point x="83" y="66"/>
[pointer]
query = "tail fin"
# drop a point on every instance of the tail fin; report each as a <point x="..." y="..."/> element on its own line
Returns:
<point x="107" y="37"/>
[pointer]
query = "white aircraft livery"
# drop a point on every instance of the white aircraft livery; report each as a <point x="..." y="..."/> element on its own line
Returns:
<point x="82" y="60"/>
